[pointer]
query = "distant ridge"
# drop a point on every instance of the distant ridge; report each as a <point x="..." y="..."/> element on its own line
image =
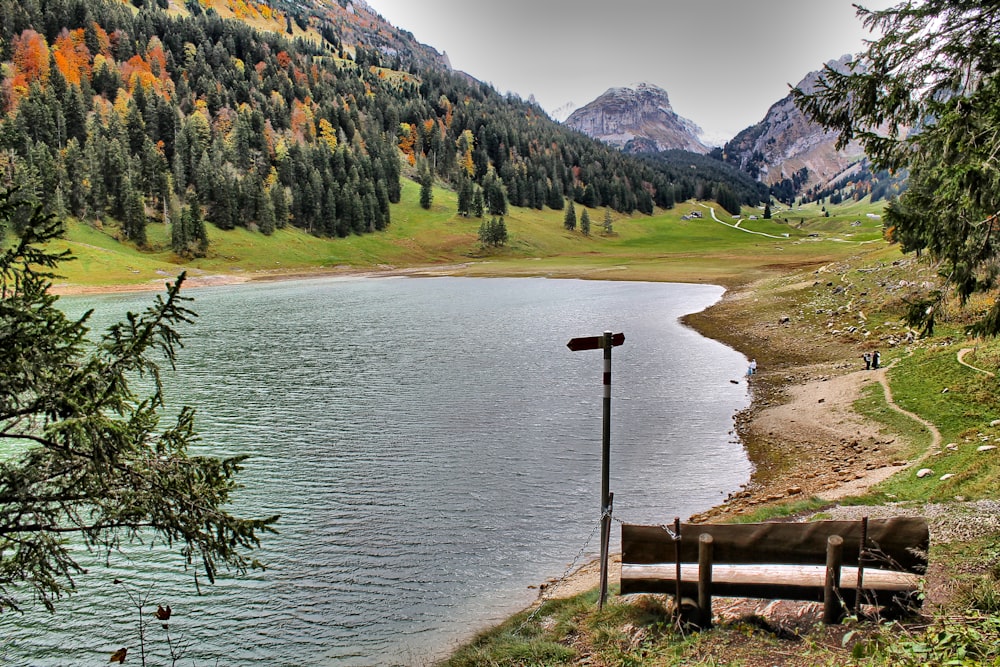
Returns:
<point x="785" y="142"/>
<point x="637" y="119"/>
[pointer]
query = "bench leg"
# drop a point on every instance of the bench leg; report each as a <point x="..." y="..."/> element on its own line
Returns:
<point x="705" y="580"/>
<point x="832" y="608"/>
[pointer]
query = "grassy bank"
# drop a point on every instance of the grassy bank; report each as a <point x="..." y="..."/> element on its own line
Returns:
<point x="662" y="247"/>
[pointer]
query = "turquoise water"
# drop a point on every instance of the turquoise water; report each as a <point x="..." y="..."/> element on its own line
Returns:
<point x="433" y="448"/>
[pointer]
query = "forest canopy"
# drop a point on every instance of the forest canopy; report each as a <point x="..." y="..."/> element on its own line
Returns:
<point x="141" y="116"/>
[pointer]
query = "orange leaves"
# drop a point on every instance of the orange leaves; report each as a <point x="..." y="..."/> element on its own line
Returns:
<point x="137" y="72"/>
<point x="72" y="56"/>
<point x="31" y="56"/>
<point x="302" y="121"/>
<point x="31" y="64"/>
<point x="75" y="62"/>
<point x="103" y="41"/>
<point x="407" y="138"/>
<point x="150" y="71"/>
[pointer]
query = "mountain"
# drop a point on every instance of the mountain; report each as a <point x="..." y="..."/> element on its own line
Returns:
<point x="261" y="115"/>
<point x="349" y="23"/>
<point x="785" y="142"/>
<point x="637" y="120"/>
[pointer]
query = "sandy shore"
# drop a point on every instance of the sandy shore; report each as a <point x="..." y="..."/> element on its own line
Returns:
<point x="195" y="279"/>
<point x="801" y="431"/>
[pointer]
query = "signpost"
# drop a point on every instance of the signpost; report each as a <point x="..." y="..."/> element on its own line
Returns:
<point x="605" y="342"/>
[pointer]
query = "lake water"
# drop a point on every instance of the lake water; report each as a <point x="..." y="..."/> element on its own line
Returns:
<point x="433" y="449"/>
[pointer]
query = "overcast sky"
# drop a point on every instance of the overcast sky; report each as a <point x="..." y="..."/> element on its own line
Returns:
<point x="722" y="62"/>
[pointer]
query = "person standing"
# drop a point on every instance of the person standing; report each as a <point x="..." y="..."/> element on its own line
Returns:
<point x="867" y="356"/>
<point x="876" y="358"/>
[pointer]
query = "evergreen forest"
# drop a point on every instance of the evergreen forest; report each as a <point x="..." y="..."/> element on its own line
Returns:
<point x="143" y="113"/>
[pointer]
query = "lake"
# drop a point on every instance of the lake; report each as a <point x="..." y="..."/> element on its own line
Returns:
<point x="433" y="449"/>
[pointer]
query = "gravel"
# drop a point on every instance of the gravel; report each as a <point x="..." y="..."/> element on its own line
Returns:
<point x="948" y="522"/>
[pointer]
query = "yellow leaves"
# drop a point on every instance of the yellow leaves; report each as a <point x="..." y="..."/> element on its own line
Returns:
<point x="327" y="133"/>
<point x="465" y="143"/>
<point x="122" y="98"/>
<point x="119" y="656"/>
<point x="190" y="53"/>
<point x="271" y="180"/>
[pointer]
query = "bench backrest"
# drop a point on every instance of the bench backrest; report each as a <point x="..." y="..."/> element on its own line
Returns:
<point x="899" y="543"/>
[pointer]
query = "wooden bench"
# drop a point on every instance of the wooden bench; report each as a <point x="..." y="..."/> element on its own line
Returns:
<point x="819" y="561"/>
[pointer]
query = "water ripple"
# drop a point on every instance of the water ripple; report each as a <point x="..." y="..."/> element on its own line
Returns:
<point x="433" y="449"/>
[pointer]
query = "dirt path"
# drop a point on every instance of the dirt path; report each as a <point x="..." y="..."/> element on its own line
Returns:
<point x="931" y="428"/>
<point x="961" y="359"/>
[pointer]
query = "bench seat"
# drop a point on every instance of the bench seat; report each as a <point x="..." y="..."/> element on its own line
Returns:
<point x="778" y="582"/>
<point x="811" y="561"/>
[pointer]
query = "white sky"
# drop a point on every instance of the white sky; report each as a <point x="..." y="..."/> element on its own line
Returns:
<point x="722" y="62"/>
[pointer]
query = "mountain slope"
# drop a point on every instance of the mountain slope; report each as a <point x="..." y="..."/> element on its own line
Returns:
<point x="637" y="119"/>
<point x="236" y="113"/>
<point x="785" y="142"/>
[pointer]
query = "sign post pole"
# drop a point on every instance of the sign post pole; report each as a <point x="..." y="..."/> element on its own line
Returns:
<point x="605" y="342"/>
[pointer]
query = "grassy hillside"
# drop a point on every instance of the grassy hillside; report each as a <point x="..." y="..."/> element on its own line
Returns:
<point x="658" y="247"/>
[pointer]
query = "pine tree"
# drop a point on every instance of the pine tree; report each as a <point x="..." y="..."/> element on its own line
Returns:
<point x="134" y="222"/>
<point x="179" y="226"/>
<point x="92" y="459"/>
<point x="477" y="203"/>
<point x="608" y="223"/>
<point x="569" y="220"/>
<point x="426" y="189"/>
<point x="196" y="232"/>
<point x="465" y="196"/>
<point x="935" y="67"/>
<point x="585" y="223"/>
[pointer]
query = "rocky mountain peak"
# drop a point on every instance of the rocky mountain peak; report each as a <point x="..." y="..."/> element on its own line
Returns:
<point x="786" y="141"/>
<point x="637" y="118"/>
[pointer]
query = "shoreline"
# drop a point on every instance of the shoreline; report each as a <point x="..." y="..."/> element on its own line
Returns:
<point x="798" y="430"/>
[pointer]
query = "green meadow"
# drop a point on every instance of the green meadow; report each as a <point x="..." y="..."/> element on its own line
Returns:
<point x="659" y="247"/>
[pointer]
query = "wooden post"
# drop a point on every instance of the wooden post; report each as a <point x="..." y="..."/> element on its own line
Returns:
<point x="607" y="344"/>
<point x="704" y="580"/>
<point x="862" y="550"/>
<point x="677" y="560"/>
<point x="831" y="588"/>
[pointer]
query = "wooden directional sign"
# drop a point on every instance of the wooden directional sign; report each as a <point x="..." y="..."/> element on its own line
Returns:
<point x="594" y="342"/>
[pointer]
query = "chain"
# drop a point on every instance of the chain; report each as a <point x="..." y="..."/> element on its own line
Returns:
<point x="667" y="528"/>
<point x="547" y="593"/>
<point x="565" y="575"/>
